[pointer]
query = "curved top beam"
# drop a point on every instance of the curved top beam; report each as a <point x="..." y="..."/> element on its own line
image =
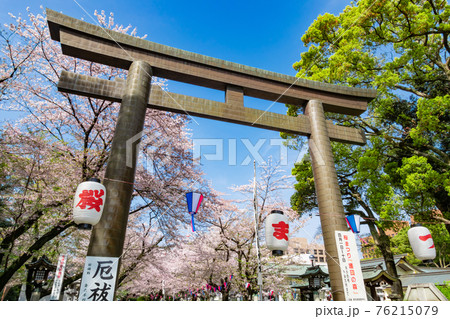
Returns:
<point x="94" y="43"/>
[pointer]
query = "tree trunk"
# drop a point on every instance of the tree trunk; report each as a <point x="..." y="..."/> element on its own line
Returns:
<point x="19" y="262"/>
<point x="385" y="246"/>
<point x="126" y="271"/>
<point x="384" y="243"/>
<point x="31" y="221"/>
<point x="16" y="233"/>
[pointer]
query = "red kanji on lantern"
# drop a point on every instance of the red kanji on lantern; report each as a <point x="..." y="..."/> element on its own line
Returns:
<point x="91" y="198"/>
<point x="425" y="238"/>
<point x="88" y="203"/>
<point x="277" y="232"/>
<point x="281" y="230"/>
<point x="422" y="243"/>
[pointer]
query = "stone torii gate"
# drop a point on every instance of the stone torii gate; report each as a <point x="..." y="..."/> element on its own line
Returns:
<point x="144" y="59"/>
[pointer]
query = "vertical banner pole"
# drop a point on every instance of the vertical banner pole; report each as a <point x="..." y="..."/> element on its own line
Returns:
<point x="59" y="278"/>
<point x="255" y="209"/>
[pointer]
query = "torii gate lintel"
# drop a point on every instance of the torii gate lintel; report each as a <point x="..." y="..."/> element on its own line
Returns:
<point x="232" y="110"/>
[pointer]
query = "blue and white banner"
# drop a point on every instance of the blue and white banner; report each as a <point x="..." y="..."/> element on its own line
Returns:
<point x="194" y="201"/>
<point x="353" y="222"/>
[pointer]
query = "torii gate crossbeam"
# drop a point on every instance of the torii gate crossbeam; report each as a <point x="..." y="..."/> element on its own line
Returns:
<point x="145" y="59"/>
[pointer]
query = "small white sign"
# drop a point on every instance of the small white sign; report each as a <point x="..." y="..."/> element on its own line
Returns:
<point x="99" y="279"/>
<point x="352" y="277"/>
<point x="59" y="277"/>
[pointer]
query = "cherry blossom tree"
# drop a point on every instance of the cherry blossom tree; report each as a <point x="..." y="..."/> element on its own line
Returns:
<point x="220" y="259"/>
<point x="62" y="140"/>
<point x="14" y="59"/>
<point x="270" y="183"/>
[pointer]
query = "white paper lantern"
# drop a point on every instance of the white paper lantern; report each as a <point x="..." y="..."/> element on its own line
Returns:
<point x="421" y="242"/>
<point x="277" y="232"/>
<point x="88" y="203"/>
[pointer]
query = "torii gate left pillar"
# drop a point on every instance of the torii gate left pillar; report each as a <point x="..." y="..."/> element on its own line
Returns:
<point x="107" y="238"/>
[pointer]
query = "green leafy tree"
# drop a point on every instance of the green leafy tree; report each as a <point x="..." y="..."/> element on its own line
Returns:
<point x="367" y="200"/>
<point x="401" y="49"/>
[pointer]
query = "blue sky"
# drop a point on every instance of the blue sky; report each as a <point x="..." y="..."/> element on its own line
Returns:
<point x="262" y="34"/>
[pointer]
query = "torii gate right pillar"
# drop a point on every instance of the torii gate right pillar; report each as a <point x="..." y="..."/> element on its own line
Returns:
<point x="331" y="209"/>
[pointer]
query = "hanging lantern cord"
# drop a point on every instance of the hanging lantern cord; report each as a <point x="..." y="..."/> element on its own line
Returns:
<point x="192" y="221"/>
